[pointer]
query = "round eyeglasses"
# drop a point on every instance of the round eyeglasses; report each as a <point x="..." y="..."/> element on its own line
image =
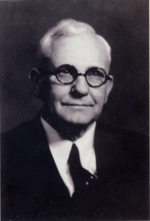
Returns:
<point x="67" y="74"/>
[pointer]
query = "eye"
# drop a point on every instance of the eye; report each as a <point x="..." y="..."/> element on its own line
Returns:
<point x="63" y="71"/>
<point x="66" y="70"/>
<point x="95" y="73"/>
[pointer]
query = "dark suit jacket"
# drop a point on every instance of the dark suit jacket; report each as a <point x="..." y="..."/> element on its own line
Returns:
<point x="32" y="188"/>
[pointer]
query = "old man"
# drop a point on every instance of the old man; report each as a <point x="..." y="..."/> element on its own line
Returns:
<point x="63" y="163"/>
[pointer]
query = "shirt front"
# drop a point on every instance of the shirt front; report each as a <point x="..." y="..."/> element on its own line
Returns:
<point x="60" y="150"/>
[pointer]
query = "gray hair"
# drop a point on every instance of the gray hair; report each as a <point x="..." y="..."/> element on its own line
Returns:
<point x="65" y="28"/>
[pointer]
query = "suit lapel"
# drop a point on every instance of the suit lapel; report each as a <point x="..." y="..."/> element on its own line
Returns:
<point x="47" y="171"/>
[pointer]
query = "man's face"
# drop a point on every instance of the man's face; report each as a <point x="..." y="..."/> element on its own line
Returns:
<point x="78" y="103"/>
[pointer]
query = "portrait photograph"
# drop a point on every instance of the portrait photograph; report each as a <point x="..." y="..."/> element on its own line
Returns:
<point x="74" y="110"/>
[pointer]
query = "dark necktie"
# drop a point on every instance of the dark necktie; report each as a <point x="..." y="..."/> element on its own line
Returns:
<point x="83" y="180"/>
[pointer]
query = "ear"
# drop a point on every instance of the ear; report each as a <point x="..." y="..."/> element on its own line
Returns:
<point x="36" y="81"/>
<point x="109" y="86"/>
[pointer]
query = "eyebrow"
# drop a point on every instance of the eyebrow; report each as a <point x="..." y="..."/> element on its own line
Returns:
<point x="77" y="69"/>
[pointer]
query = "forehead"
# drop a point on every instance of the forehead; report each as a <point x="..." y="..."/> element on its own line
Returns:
<point x="82" y="51"/>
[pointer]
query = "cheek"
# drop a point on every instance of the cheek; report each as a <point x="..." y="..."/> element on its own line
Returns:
<point x="57" y="92"/>
<point x="99" y="96"/>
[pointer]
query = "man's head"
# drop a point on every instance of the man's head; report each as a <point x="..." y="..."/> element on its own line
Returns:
<point x="73" y="47"/>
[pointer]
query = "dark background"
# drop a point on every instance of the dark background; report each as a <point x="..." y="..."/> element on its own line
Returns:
<point x="124" y="24"/>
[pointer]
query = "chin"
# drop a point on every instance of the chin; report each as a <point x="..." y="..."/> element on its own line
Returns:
<point x="78" y="117"/>
<point x="80" y="120"/>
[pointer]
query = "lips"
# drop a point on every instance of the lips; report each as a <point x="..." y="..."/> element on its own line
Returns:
<point x="77" y="104"/>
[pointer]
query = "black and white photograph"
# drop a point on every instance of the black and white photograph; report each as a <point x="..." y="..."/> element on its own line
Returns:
<point x="74" y="110"/>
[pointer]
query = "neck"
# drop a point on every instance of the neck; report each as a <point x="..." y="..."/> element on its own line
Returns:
<point x="65" y="129"/>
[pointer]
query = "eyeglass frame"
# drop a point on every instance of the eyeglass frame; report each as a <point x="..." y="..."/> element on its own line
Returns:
<point x="54" y="72"/>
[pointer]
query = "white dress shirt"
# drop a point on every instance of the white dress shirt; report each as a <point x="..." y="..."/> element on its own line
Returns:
<point x="60" y="150"/>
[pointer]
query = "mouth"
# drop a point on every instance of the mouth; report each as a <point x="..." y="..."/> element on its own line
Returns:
<point x="77" y="105"/>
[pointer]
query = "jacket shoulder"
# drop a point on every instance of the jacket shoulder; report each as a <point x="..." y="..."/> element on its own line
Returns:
<point x="122" y="146"/>
<point x="22" y="141"/>
<point x="126" y="137"/>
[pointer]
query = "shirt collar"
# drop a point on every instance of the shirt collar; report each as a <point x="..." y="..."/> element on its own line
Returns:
<point x="62" y="147"/>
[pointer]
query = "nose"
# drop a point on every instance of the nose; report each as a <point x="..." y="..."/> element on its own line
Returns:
<point x="80" y="87"/>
